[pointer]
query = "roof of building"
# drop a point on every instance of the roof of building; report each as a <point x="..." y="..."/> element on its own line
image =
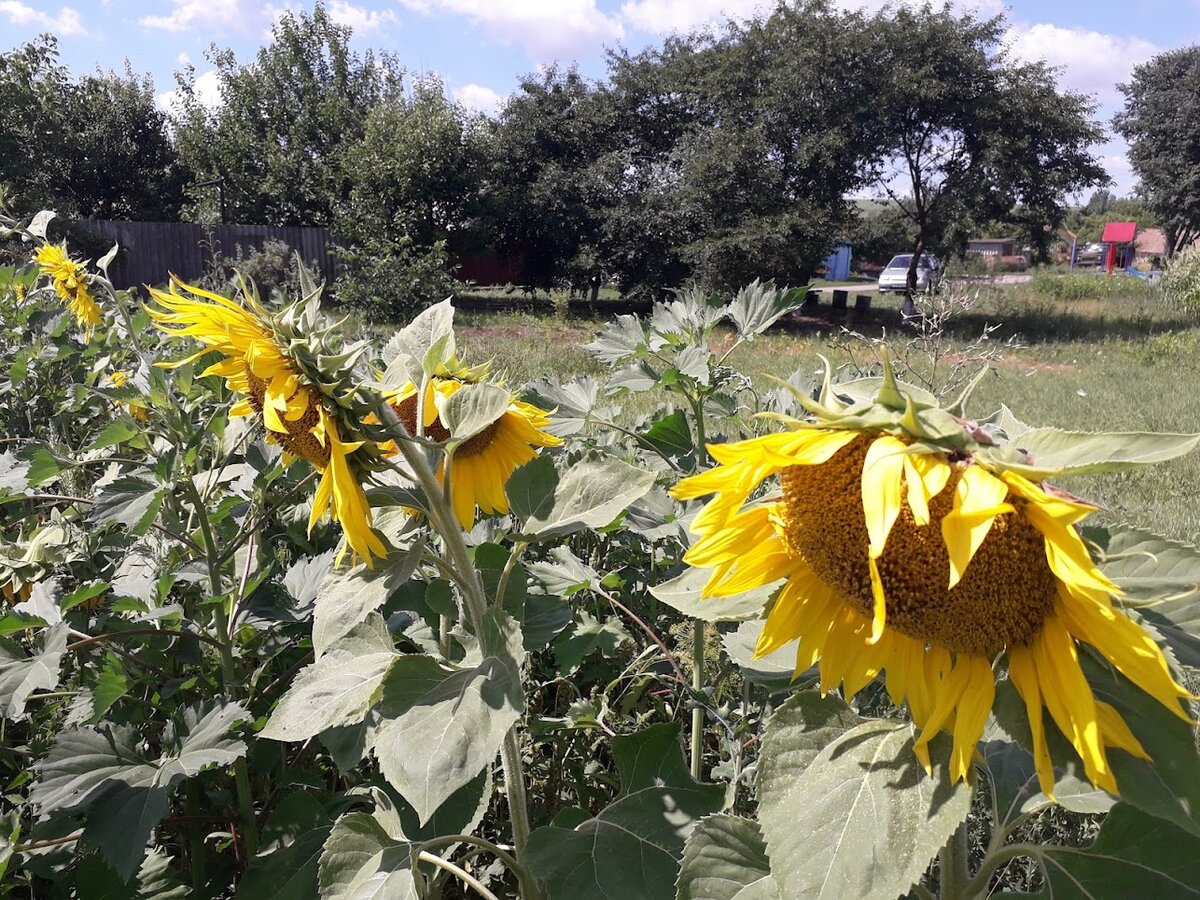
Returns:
<point x="1119" y="232"/>
<point x="1152" y="242"/>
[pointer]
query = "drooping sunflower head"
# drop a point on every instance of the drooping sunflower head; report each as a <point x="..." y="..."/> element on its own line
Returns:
<point x="914" y="542"/>
<point x="71" y="283"/>
<point x="295" y="380"/>
<point x="481" y="465"/>
<point x="27" y="561"/>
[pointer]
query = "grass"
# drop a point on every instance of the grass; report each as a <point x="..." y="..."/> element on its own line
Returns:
<point x="1117" y="362"/>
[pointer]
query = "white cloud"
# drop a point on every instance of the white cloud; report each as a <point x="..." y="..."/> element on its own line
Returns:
<point x="189" y="14"/>
<point x="478" y="98"/>
<point x="65" y="23"/>
<point x="208" y="91"/>
<point x="360" y="19"/>
<point x="668" y="16"/>
<point x="1091" y="61"/>
<point x="546" y="30"/>
<point x="679" y="16"/>
<point x="183" y="59"/>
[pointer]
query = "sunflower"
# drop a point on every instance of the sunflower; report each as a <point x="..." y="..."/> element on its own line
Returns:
<point x="907" y="545"/>
<point x="70" y="281"/>
<point x="119" y="379"/>
<point x="283" y="389"/>
<point x="481" y="465"/>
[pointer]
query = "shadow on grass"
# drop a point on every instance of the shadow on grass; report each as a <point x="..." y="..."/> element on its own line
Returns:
<point x="1030" y="325"/>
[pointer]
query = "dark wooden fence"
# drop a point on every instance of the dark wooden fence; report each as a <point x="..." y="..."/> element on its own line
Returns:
<point x="149" y="250"/>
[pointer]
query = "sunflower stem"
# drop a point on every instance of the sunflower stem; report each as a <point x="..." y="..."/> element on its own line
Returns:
<point x="241" y="775"/>
<point x="955" y="866"/>
<point x="698" y="627"/>
<point x="475" y="603"/>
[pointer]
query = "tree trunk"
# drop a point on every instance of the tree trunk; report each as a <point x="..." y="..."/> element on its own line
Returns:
<point x="595" y="293"/>
<point x="910" y="281"/>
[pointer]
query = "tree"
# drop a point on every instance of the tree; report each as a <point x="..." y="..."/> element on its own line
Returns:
<point x="93" y="147"/>
<point x="279" y="137"/>
<point x="967" y="134"/>
<point x="1161" y="121"/>
<point x="414" y="188"/>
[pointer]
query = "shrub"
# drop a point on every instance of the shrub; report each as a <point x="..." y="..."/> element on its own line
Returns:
<point x="392" y="280"/>
<point x="1086" y="286"/>
<point x="1180" y="283"/>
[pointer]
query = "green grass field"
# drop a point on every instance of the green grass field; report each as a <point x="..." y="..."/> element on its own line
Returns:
<point x="1117" y="363"/>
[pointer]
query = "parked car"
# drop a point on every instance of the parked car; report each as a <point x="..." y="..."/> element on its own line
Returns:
<point x="1089" y="255"/>
<point x="894" y="277"/>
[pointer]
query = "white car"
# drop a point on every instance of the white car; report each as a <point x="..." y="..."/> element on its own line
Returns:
<point x="894" y="276"/>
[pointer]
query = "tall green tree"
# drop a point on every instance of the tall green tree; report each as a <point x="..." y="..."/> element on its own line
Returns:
<point x="97" y="146"/>
<point x="279" y="137"/>
<point x="966" y="133"/>
<point x="1161" y="121"/>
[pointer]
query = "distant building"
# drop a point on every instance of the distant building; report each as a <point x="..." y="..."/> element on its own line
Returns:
<point x="998" y="247"/>
<point x="1119" y="238"/>
<point x="1150" y="243"/>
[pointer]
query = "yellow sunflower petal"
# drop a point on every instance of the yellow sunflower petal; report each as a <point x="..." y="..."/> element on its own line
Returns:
<point x="1023" y="671"/>
<point x="978" y="499"/>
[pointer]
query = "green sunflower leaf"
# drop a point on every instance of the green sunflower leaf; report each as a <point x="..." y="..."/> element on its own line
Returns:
<point x="1161" y="580"/>
<point x="1052" y="453"/>
<point x="725" y="858"/>
<point x="862" y="796"/>
<point x="591" y="494"/>
<point x="773" y="671"/>
<point x="367" y="855"/>
<point x="21" y="675"/>
<point x="683" y="593"/>
<point x="632" y="847"/>
<point x="441" y="727"/>
<point x="339" y="688"/>
<point x="472" y="409"/>
<point x="1135" y="855"/>
<point x="758" y="306"/>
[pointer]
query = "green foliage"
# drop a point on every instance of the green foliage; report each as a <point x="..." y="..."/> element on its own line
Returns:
<point x="1065" y="286"/>
<point x="199" y="695"/>
<point x="1161" y="122"/>
<point x="972" y="134"/>
<point x="94" y="147"/>
<point x="280" y="136"/>
<point x="1180" y="283"/>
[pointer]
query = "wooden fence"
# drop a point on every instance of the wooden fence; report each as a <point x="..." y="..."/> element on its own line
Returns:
<point x="149" y="250"/>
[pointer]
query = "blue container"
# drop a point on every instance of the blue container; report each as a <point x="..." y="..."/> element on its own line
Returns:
<point x="837" y="263"/>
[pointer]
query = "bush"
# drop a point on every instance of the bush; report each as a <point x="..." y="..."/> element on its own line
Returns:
<point x="392" y="280"/>
<point x="274" y="268"/>
<point x="1180" y="283"/>
<point x="1085" y="286"/>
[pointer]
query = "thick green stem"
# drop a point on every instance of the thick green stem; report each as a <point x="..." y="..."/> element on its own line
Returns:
<point x="698" y="626"/>
<point x="241" y="774"/>
<point x="955" y="871"/>
<point x="697" y="688"/>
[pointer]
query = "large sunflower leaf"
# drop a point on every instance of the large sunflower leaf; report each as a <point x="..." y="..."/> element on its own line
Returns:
<point x="591" y="494"/>
<point x="758" y="306"/>
<point x="632" y="847"/>
<point x="339" y="688"/>
<point x="293" y="840"/>
<point x="773" y="671"/>
<point x="1160" y="578"/>
<point x="683" y="593"/>
<point x="1135" y="855"/>
<point x="863" y="797"/>
<point x="21" y="675"/>
<point x="347" y="597"/>
<point x="441" y="727"/>
<point x="725" y="858"/>
<point x="472" y="409"/>
<point x="1053" y="453"/>
<point x="408" y="354"/>
<point x="367" y="856"/>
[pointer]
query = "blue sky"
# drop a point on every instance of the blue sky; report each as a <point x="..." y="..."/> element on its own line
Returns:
<point x="481" y="47"/>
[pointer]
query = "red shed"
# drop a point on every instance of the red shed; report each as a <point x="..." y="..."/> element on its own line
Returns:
<point x="1120" y="237"/>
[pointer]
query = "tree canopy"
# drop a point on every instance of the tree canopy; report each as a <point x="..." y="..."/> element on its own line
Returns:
<point x="1161" y="121"/>
<point x="97" y="146"/>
